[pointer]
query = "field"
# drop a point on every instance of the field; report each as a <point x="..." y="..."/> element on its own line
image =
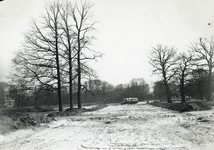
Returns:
<point x="140" y="126"/>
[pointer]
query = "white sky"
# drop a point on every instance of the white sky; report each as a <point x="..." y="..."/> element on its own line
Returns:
<point x="126" y="31"/>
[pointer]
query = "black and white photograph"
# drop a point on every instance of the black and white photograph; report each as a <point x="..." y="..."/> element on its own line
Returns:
<point x="106" y="74"/>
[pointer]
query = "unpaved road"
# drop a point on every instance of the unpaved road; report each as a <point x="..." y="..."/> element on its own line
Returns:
<point x="123" y="127"/>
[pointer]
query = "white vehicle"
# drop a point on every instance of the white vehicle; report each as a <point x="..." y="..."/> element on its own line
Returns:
<point x="129" y="101"/>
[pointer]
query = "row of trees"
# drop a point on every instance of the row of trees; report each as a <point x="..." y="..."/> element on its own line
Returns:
<point x="96" y="91"/>
<point x="185" y="71"/>
<point x="56" y="51"/>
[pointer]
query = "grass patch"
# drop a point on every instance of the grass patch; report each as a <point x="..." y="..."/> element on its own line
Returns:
<point x="184" y="107"/>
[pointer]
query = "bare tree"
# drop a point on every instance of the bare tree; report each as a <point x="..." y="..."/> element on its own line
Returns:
<point x="204" y="50"/>
<point x="184" y="69"/>
<point x="83" y="27"/>
<point x="163" y="60"/>
<point x="39" y="60"/>
<point x="68" y="42"/>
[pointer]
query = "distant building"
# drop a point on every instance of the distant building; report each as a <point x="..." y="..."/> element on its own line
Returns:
<point x="8" y="102"/>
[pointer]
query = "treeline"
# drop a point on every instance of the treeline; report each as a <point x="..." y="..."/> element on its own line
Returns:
<point x="184" y="75"/>
<point x="196" y="88"/>
<point x="96" y="91"/>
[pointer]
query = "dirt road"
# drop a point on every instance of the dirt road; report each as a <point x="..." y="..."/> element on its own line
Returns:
<point x="123" y="127"/>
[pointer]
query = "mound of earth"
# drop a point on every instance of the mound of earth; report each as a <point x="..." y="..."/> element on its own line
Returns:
<point x="14" y="119"/>
<point x="183" y="107"/>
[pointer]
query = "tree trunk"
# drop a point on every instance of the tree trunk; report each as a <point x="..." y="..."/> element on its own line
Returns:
<point x="79" y="81"/>
<point x="36" y="99"/>
<point x="68" y="36"/>
<point x="57" y="61"/>
<point x="200" y="91"/>
<point x="70" y="81"/>
<point x="167" y="88"/>
<point x="58" y="69"/>
<point x="58" y="82"/>
<point x="79" y="69"/>
<point x="167" y="94"/>
<point x="182" y="89"/>
<point x="210" y="84"/>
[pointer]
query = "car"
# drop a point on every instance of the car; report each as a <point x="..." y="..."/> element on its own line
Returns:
<point x="129" y="101"/>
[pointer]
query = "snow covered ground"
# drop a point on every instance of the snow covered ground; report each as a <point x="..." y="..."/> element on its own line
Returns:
<point x="129" y="127"/>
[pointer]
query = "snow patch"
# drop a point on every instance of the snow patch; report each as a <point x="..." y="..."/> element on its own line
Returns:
<point x="2" y="138"/>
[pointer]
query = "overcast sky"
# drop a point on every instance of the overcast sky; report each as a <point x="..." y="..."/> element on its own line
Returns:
<point x="126" y="31"/>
